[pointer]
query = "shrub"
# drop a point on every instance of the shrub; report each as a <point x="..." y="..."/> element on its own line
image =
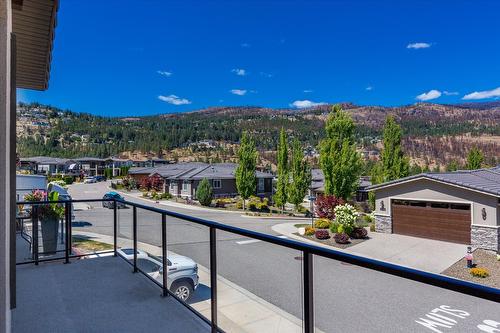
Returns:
<point x="346" y="216"/>
<point x="156" y="182"/>
<point x="309" y="231"/>
<point x="359" y="233"/>
<point x="322" y="234"/>
<point x="146" y="184"/>
<point x="221" y="203"/>
<point x="166" y="195"/>
<point x="479" y="272"/>
<point x="369" y="218"/>
<point x="322" y="224"/>
<point x="68" y="180"/>
<point x="239" y="204"/>
<point x="325" y="206"/>
<point x="341" y="238"/>
<point x="372" y="227"/>
<point x="204" y="193"/>
<point x="334" y="227"/>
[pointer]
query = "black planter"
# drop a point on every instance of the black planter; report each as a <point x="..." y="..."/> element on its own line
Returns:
<point x="49" y="234"/>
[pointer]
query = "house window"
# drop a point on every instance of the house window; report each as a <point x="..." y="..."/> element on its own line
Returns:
<point x="185" y="185"/>
<point x="260" y="185"/>
<point x="216" y="183"/>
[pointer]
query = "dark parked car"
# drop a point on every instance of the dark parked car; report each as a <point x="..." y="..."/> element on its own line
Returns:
<point x="100" y="178"/>
<point x="111" y="204"/>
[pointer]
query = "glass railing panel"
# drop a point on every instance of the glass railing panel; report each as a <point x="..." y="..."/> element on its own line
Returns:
<point x="189" y="270"/>
<point x="92" y="228"/>
<point x="259" y="286"/>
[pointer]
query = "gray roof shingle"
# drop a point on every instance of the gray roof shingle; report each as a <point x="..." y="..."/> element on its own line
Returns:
<point x="484" y="180"/>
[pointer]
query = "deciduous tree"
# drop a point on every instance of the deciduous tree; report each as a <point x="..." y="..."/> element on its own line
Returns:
<point x="281" y="197"/>
<point x="300" y="175"/>
<point x="245" y="172"/>
<point x="340" y="162"/>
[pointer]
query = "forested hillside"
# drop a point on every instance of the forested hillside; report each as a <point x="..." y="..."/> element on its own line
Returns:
<point x="433" y="132"/>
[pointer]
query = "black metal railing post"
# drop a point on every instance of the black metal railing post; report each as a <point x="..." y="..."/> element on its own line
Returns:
<point x="67" y="245"/>
<point x="308" y="292"/>
<point x="115" y="228"/>
<point x="134" y="231"/>
<point x="213" y="278"/>
<point x="34" y="231"/>
<point x="164" y="254"/>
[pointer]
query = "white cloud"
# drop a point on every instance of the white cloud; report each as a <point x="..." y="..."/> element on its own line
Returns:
<point x="245" y="45"/>
<point x="175" y="100"/>
<point x="417" y="46"/>
<point x="369" y="88"/>
<point x="239" y="92"/>
<point x="483" y="94"/>
<point x="164" y="73"/>
<point x="305" y="104"/>
<point x="432" y="94"/>
<point x="307" y="91"/>
<point x="239" y="71"/>
<point x="450" y="93"/>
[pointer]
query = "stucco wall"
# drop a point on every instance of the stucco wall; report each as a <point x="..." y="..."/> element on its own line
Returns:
<point x="432" y="191"/>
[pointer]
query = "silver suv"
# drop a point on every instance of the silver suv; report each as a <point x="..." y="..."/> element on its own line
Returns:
<point x="182" y="272"/>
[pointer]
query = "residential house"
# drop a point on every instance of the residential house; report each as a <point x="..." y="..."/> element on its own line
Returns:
<point x="460" y="207"/>
<point x="115" y="164"/>
<point x="318" y="185"/>
<point x="182" y="179"/>
<point x="92" y="166"/>
<point x="47" y="165"/>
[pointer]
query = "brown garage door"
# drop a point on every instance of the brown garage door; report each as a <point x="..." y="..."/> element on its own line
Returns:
<point x="441" y="221"/>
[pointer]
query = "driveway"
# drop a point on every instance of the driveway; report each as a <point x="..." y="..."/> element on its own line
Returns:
<point x="420" y="253"/>
<point x="424" y="254"/>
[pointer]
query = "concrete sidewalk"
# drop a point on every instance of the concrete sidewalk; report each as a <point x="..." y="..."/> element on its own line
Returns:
<point x="239" y="309"/>
<point x="420" y="253"/>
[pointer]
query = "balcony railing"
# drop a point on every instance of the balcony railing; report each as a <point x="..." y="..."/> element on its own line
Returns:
<point x="134" y="231"/>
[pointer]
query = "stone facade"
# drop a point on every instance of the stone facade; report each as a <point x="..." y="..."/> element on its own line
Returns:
<point x="383" y="224"/>
<point x="485" y="237"/>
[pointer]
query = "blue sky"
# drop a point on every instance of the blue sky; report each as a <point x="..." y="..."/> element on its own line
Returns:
<point x="136" y="58"/>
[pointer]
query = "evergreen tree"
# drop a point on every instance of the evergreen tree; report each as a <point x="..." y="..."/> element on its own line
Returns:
<point x="204" y="192"/>
<point x="300" y="179"/>
<point x="452" y="166"/>
<point x="394" y="164"/>
<point x="340" y="162"/>
<point x="474" y="159"/>
<point x="281" y="197"/>
<point x="245" y="172"/>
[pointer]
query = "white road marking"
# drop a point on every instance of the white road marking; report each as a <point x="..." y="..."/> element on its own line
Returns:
<point x="250" y="241"/>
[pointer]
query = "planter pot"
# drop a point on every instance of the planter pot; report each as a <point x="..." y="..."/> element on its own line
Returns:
<point x="49" y="235"/>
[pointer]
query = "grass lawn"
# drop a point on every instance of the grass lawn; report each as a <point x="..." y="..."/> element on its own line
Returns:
<point x="88" y="245"/>
<point x="302" y="225"/>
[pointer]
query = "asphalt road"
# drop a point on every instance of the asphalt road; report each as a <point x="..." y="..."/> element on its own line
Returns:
<point x="347" y="298"/>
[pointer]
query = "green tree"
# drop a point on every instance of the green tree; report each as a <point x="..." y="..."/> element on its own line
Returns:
<point x="394" y="164"/>
<point x="300" y="173"/>
<point x="245" y="172"/>
<point x="204" y="192"/>
<point x="452" y="166"/>
<point x="281" y="197"/>
<point x="339" y="160"/>
<point x="474" y="159"/>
